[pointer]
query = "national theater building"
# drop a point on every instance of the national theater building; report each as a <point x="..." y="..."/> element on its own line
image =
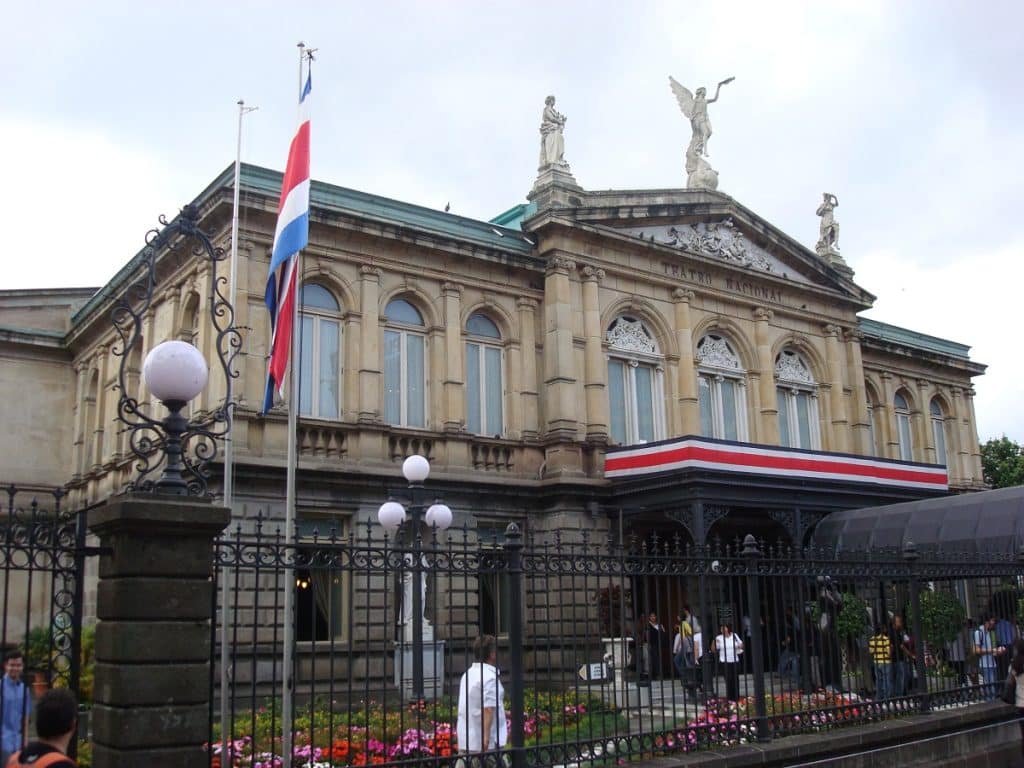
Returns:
<point x="628" y="362"/>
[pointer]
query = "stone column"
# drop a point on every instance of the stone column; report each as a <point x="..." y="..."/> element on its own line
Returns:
<point x="891" y="437"/>
<point x="927" y="438"/>
<point x="960" y="439"/>
<point x="559" y="359"/>
<point x="840" y="424"/>
<point x="79" y="446"/>
<point x="154" y="598"/>
<point x="148" y="342"/>
<point x="369" y="358"/>
<point x="101" y="408"/>
<point x="454" y="416"/>
<point x="976" y="474"/>
<point x="768" y="429"/>
<point x="689" y="408"/>
<point x="861" y="418"/>
<point x="527" y="375"/>
<point x="595" y="377"/>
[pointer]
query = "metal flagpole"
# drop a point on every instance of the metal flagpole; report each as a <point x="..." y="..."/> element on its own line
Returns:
<point x="287" y="698"/>
<point x="229" y="473"/>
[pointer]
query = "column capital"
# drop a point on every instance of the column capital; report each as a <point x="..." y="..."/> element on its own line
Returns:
<point x="561" y="264"/>
<point x="763" y="314"/>
<point x="525" y="304"/>
<point x="885" y="375"/>
<point x="371" y="272"/>
<point x="830" y="329"/>
<point x="923" y="383"/>
<point x="958" y="392"/>
<point x="683" y="295"/>
<point x="451" y="289"/>
<point x="591" y="274"/>
<point x="854" y="335"/>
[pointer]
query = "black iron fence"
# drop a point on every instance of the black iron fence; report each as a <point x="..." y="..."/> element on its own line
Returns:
<point x="606" y="650"/>
<point x="42" y="555"/>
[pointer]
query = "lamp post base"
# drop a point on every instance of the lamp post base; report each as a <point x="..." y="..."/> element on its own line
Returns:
<point x="432" y="654"/>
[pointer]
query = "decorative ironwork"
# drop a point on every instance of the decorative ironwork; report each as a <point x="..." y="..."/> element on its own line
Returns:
<point x="154" y="443"/>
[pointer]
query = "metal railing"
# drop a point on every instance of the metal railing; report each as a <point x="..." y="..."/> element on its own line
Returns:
<point x="607" y="650"/>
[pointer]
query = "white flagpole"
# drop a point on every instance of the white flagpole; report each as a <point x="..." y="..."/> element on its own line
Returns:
<point x="229" y="474"/>
<point x="288" y="662"/>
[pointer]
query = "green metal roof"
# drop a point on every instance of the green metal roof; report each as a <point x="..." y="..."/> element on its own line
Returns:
<point x="513" y="217"/>
<point x="913" y="339"/>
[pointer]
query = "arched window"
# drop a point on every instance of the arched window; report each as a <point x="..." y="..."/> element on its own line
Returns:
<point x="903" y="430"/>
<point x="938" y="420"/>
<point x="484" y="384"/>
<point x="635" y="399"/>
<point x="319" y="353"/>
<point x="405" y="373"/>
<point x="721" y="389"/>
<point x="797" y="397"/>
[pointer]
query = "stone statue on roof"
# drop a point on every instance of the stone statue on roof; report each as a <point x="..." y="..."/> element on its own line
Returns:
<point x="699" y="172"/>
<point x="552" y="144"/>
<point x="828" y="229"/>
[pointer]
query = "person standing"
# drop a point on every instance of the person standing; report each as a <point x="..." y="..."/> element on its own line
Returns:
<point x="730" y="649"/>
<point x="481" y="715"/>
<point x="15" y="705"/>
<point x="880" y="648"/>
<point x="56" y="721"/>
<point x="657" y="642"/>
<point x="988" y="652"/>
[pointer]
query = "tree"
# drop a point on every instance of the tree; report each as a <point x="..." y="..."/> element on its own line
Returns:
<point x="1002" y="462"/>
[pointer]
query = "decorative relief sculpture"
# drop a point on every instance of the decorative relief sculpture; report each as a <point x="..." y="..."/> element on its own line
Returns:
<point x="719" y="240"/>
<point x="715" y="352"/>
<point x="699" y="172"/>
<point x="552" y="143"/>
<point x="630" y="336"/>
<point x="790" y="367"/>
<point x="828" y="229"/>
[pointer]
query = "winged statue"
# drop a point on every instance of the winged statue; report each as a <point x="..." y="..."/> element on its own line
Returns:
<point x="696" y="109"/>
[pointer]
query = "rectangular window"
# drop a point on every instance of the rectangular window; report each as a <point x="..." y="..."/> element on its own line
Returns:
<point x="306" y="366"/>
<point x="644" y="402"/>
<point x="318" y="367"/>
<point x="906" y="451"/>
<point x="784" y="436"/>
<point x="495" y="419"/>
<point x="328" y="369"/>
<point x="321" y="594"/>
<point x="728" y="389"/>
<point x="707" y="423"/>
<point x="617" y="400"/>
<point x="939" y="431"/>
<point x="494" y="592"/>
<point x="416" y="405"/>
<point x="473" y="388"/>
<point x="392" y="377"/>
<point x="803" y="418"/>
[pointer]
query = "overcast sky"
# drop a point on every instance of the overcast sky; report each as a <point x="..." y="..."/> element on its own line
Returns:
<point x="910" y="112"/>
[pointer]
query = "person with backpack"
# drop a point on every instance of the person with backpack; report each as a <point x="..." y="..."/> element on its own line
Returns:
<point x="56" y="721"/>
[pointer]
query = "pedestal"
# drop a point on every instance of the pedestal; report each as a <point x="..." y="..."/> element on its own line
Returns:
<point x="433" y="669"/>
<point x="622" y="693"/>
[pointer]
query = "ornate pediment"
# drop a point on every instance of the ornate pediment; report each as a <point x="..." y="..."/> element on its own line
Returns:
<point x="629" y="335"/>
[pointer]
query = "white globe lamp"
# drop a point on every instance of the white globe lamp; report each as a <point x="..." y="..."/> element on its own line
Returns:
<point x="416" y="468"/>
<point x="439" y="516"/>
<point x="175" y="372"/>
<point x="391" y="515"/>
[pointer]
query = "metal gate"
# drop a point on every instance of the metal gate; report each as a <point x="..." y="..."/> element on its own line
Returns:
<point x="43" y="559"/>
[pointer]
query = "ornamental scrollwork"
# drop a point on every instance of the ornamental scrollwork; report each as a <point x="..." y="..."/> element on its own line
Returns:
<point x="715" y="352"/>
<point x="627" y="335"/>
<point x="791" y="368"/>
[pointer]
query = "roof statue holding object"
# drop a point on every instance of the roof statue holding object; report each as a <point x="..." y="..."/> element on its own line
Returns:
<point x="827" y="246"/>
<point x="552" y="143"/>
<point x="699" y="172"/>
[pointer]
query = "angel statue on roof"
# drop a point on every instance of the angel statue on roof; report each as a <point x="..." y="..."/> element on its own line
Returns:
<point x="696" y="108"/>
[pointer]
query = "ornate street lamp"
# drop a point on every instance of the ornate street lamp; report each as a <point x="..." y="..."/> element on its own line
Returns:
<point x="174" y="371"/>
<point x="438" y="516"/>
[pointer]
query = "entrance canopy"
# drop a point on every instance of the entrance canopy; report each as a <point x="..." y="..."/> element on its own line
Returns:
<point x="990" y="522"/>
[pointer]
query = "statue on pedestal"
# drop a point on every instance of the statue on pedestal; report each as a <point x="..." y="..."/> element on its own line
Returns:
<point x="408" y="615"/>
<point x="828" y="229"/>
<point x="699" y="171"/>
<point x="552" y="143"/>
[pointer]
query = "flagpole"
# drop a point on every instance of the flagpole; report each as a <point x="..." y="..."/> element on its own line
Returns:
<point x="229" y="473"/>
<point x="288" y="663"/>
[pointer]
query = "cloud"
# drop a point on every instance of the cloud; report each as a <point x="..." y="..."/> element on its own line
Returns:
<point x="83" y="203"/>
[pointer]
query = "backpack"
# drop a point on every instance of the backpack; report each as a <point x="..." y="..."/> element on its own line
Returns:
<point x="44" y="761"/>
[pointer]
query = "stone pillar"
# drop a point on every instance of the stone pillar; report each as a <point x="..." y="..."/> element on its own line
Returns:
<point x="961" y="443"/>
<point x="154" y="598"/>
<point x="148" y="342"/>
<point x="527" y="373"/>
<point x="861" y="418"/>
<point x="595" y="381"/>
<point x="768" y="428"/>
<point x="689" y="407"/>
<point x="891" y="437"/>
<point x="840" y="424"/>
<point x="559" y="358"/>
<point x="976" y="474"/>
<point x="81" y="392"/>
<point x="369" y="343"/>
<point x="927" y="438"/>
<point x="101" y="408"/>
<point x="454" y="416"/>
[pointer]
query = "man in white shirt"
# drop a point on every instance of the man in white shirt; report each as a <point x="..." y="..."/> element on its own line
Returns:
<point x="481" y="724"/>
